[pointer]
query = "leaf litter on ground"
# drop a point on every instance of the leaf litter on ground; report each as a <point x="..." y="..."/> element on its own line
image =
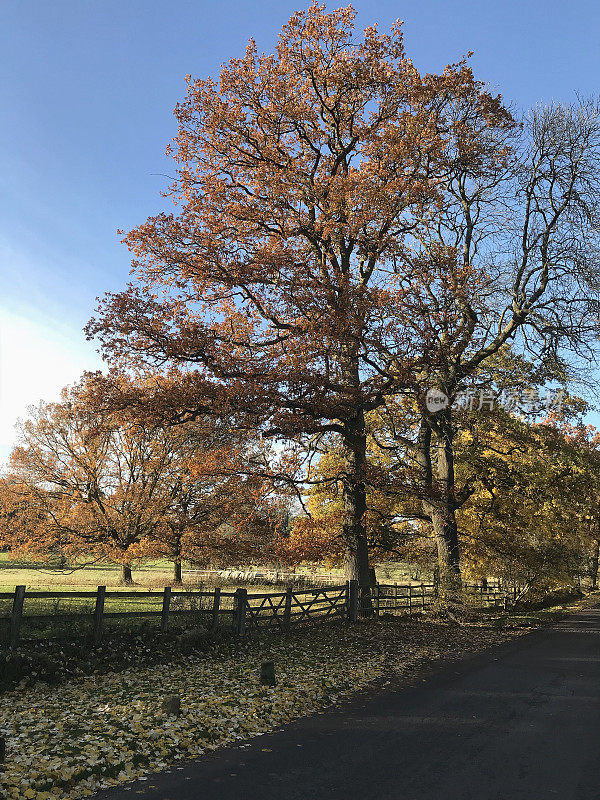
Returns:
<point x="65" y="742"/>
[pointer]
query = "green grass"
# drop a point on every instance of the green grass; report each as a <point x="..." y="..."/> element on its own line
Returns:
<point x="150" y="575"/>
<point x="147" y="575"/>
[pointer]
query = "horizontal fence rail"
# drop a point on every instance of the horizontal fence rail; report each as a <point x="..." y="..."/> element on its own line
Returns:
<point x="240" y="611"/>
<point x="292" y="607"/>
<point x="418" y="596"/>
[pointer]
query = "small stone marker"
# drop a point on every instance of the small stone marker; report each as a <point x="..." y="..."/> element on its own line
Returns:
<point x="267" y="673"/>
<point x="172" y="704"/>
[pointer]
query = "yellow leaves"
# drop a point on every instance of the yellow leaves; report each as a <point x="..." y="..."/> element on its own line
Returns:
<point x="69" y="741"/>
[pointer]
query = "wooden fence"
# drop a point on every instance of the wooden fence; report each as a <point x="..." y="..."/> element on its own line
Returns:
<point x="417" y="597"/>
<point x="239" y="611"/>
<point x="282" y="610"/>
<point x="91" y="611"/>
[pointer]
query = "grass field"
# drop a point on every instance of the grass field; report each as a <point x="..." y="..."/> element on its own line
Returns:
<point x="148" y="575"/>
<point x="151" y="575"/>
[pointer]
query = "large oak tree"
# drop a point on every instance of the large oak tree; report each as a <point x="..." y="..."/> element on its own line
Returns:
<point x="278" y="286"/>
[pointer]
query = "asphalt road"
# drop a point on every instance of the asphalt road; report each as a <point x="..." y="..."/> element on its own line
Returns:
<point x="519" y="721"/>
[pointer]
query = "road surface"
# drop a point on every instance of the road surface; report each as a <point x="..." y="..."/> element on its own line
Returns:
<point x="521" y="720"/>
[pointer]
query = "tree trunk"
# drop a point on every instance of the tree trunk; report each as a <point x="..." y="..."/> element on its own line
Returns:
<point x="126" y="576"/>
<point x="444" y="514"/>
<point x="445" y="531"/>
<point x="595" y="564"/>
<point x="177" y="571"/>
<point x="439" y="502"/>
<point x="354" y="504"/>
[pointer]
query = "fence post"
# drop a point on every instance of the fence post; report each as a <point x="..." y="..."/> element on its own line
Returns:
<point x="395" y="596"/>
<point x="377" y="598"/>
<point x="240" y="601"/>
<point x="422" y="595"/>
<point x="216" y="607"/>
<point x="410" y="598"/>
<point x="16" y="616"/>
<point x="287" y="610"/>
<point x="164" y="618"/>
<point x="99" y="615"/>
<point x="353" y="601"/>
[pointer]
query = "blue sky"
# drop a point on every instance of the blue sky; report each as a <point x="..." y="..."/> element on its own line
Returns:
<point x="88" y="88"/>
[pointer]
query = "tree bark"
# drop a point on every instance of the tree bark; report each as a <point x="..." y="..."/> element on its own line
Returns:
<point x="444" y="522"/>
<point x="354" y="505"/>
<point x="177" y="571"/>
<point x="126" y="576"/>
<point x="439" y="501"/>
<point x="445" y="531"/>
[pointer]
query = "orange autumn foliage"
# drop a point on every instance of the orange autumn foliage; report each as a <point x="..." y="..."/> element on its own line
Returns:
<point x="90" y="481"/>
<point x="303" y="179"/>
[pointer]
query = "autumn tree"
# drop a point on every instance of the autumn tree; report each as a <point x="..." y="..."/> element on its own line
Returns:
<point x="19" y="517"/>
<point x="214" y="508"/>
<point x="526" y="492"/>
<point x="317" y="535"/>
<point x="278" y="287"/>
<point x="527" y="521"/>
<point x="581" y="447"/>
<point x="507" y="269"/>
<point x="95" y="481"/>
<point x="7" y="511"/>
